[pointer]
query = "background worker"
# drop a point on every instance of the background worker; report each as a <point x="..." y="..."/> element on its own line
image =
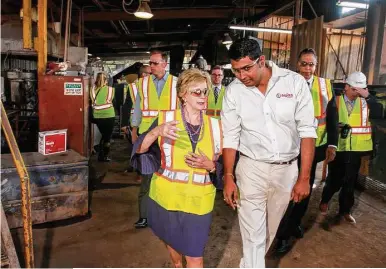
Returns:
<point x="156" y="92"/>
<point x="355" y="141"/>
<point x="131" y="95"/>
<point x="215" y="98"/>
<point x="102" y="95"/>
<point x="326" y="115"/>
<point x="216" y="93"/>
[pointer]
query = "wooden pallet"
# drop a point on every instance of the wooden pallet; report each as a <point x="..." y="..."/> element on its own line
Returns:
<point x="9" y="258"/>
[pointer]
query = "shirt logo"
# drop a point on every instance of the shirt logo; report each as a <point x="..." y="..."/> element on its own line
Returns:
<point x="284" y="95"/>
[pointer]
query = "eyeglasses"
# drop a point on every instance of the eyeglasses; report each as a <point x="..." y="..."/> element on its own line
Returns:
<point x="155" y="63"/>
<point x="199" y="92"/>
<point x="310" y="64"/>
<point x="217" y="75"/>
<point x="246" y="68"/>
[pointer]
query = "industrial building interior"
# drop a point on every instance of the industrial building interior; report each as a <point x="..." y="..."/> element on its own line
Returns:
<point x="68" y="210"/>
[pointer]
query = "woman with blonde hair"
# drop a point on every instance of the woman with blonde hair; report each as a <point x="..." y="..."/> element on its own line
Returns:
<point x="102" y="95"/>
<point x="181" y="149"/>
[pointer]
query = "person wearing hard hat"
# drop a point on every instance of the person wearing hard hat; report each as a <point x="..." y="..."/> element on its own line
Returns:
<point x="355" y="141"/>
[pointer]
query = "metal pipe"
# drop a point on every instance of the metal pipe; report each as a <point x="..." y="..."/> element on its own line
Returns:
<point x="80" y="29"/>
<point x="24" y="186"/>
<point x="27" y="24"/>
<point x="297" y="12"/>
<point x="42" y="37"/>
<point x="66" y="36"/>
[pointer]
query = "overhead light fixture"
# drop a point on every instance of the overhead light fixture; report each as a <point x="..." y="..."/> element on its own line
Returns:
<point x="260" y="29"/>
<point x="227" y="39"/>
<point x="353" y="4"/>
<point x="89" y="54"/>
<point x="168" y="33"/>
<point x="143" y="11"/>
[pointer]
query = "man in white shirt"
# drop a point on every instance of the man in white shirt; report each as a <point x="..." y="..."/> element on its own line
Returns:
<point x="268" y="116"/>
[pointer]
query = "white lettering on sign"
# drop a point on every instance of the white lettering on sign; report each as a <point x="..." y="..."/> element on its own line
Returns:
<point x="73" y="88"/>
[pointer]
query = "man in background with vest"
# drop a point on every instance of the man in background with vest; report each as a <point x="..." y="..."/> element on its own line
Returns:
<point x="216" y="94"/>
<point x="131" y="95"/>
<point x="215" y="98"/>
<point x="326" y="117"/>
<point x="355" y="141"/>
<point x="155" y="93"/>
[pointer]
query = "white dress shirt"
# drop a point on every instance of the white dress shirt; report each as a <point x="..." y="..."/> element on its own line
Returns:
<point x="310" y="81"/>
<point x="269" y="127"/>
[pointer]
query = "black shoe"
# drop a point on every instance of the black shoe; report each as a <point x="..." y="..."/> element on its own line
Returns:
<point x="283" y="246"/>
<point x="298" y="232"/>
<point x="104" y="159"/>
<point x="141" y="223"/>
<point x="129" y="170"/>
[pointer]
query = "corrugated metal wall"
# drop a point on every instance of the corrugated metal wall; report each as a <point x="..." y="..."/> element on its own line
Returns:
<point x="307" y="35"/>
<point x="276" y="46"/>
<point x="348" y="46"/>
<point x="10" y="63"/>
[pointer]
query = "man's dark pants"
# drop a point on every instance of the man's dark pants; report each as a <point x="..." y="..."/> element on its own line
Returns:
<point x="143" y="196"/>
<point x="296" y="211"/>
<point x="342" y="175"/>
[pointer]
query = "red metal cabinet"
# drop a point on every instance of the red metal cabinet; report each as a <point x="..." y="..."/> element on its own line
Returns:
<point x="63" y="104"/>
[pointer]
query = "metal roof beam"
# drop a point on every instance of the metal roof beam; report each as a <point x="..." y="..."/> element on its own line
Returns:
<point x="170" y="14"/>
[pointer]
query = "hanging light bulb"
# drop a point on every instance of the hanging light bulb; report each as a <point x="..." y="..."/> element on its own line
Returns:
<point x="227" y="39"/>
<point x="143" y="11"/>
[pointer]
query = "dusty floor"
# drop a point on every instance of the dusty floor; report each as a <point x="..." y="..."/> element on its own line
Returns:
<point x="108" y="239"/>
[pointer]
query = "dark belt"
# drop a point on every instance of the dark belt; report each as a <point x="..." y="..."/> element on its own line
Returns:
<point x="287" y="162"/>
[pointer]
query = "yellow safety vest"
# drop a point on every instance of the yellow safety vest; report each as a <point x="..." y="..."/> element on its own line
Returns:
<point x="151" y="104"/>
<point x="133" y="91"/>
<point x="321" y="92"/>
<point x="176" y="186"/>
<point x="214" y="109"/>
<point x="359" y="138"/>
<point x="102" y="101"/>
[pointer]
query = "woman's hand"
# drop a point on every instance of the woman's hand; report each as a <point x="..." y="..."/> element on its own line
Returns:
<point x="168" y="130"/>
<point x="199" y="161"/>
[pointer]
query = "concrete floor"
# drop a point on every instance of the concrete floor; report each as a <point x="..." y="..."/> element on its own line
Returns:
<point x="107" y="237"/>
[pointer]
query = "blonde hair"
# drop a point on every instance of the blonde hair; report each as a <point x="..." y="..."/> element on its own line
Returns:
<point x="101" y="80"/>
<point x="190" y="76"/>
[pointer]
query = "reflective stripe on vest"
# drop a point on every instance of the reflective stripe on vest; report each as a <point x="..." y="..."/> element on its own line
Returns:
<point x="176" y="186"/>
<point x="150" y="113"/>
<point x="212" y="112"/>
<point x="109" y="97"/>
<point x="173" y="92"/>
<point x="359" y="138"/>
<point x="213" y="108"/>
<point x="361" y="130"/>
<point x="151" y="103"/>
<point x="321" y="94"/>
<point x="172" y="175"/>
<point x="133" y="91"/>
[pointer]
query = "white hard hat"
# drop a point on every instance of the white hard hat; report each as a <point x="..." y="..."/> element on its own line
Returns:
<point x="357" y="80"/>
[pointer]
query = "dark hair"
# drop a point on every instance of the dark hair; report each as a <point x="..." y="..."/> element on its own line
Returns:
<point x="307" y="51"/>
<point x="216" y="67"/>
<point x="163" y="54"/>
<point x="244" y="47"/>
